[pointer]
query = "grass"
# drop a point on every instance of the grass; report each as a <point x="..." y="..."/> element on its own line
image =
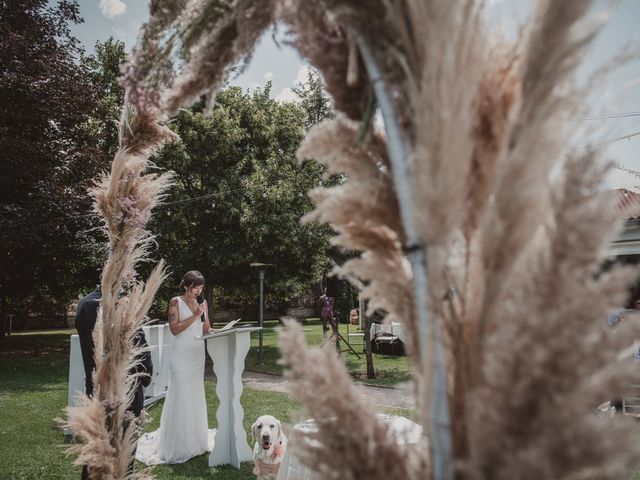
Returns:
<point x="33" y="386"/>
<point x="253" y="401"/>
<point x="33" y="392"/>
<point x="389" y="369"/>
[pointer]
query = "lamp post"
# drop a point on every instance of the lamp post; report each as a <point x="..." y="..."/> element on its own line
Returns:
<point x="261" y="268"/>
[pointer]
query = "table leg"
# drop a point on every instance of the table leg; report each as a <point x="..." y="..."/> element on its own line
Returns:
<point x="76" y="375"/>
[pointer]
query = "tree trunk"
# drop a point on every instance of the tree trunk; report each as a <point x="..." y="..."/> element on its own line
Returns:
<point x="371" y="373"/>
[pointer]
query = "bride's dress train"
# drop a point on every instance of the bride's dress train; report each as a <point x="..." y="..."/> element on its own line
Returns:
<point x="183" y="432"/>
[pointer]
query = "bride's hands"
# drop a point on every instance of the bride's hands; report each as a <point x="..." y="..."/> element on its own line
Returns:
<point x="201" y="309"/>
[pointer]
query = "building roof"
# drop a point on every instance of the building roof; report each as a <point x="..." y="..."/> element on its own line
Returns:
<point x="627" y="204"/>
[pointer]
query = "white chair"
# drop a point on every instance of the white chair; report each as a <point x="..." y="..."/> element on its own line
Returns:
<point x="355" y="336"/>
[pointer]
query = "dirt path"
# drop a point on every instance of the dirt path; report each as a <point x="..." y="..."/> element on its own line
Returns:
<point x="399" y="396"/>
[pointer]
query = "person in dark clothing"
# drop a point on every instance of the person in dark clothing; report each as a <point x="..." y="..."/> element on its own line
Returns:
<point x="85" y="321"/>
<point x="143" y="369"/>
<point x="327" y="303"/>
<point x="86" y="314"/>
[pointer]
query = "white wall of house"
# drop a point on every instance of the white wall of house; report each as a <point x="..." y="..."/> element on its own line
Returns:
<point x="628" y="242"/>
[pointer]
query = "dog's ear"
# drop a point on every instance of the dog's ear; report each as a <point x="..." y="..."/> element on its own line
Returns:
<point x="279" y="425"/>
<point x="254" y="430"/>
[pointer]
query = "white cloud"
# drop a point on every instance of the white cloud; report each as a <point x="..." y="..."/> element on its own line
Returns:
<point x="287" y="95"/>
<point x="268" y="76"/>
<point x="112" y="8"/>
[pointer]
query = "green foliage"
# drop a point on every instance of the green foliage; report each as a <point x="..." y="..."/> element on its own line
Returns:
<point x="346" y="299"/>
<point x="48" y="158"/>
<point x="238" y="198"/>
<point x="314" y="99"/>
<point x="103" y="69"/>
<point x="318" y="106"/>
<point x="239" y="194"/>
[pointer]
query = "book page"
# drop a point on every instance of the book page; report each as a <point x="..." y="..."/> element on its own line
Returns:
<point x="228" y="325"/>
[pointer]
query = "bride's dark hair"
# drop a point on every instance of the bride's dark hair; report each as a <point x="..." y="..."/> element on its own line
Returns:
<point x="192" y="278"/>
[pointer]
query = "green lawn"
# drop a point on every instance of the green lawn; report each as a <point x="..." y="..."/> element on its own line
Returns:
<point x="33" y="392"/>
<point x="389" y="369"/>
<point x="253" y="402"/>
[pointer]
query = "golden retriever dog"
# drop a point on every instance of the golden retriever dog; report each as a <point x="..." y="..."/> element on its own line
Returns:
<point x="269" y="448"/>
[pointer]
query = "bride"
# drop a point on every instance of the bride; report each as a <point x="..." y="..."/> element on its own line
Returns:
<point x="183" y="431"/>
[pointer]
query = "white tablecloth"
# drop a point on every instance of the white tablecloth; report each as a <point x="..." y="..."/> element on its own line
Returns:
<point x="405" y="431"/>
<point x="159" y="339"/>
<point x="394" y="328"/>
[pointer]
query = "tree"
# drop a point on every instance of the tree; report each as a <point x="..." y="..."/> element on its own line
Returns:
<point x="47" y="160"/>
<point x="103" y="70"/>
<point x="314" y="99"/>
<point x="318" y="105"/>
<point x="238" y="198"/>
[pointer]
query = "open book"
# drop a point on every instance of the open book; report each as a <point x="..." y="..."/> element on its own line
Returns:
<point x="228" y="326"/>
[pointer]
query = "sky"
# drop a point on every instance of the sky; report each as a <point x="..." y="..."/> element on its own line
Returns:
<point x="283" y="66"/>
<point x="123" y="18"/>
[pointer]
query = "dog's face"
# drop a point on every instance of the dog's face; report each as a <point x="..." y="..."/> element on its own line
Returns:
<point x="267" y="431"/>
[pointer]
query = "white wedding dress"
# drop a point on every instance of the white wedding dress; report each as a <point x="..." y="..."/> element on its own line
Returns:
<point x="183" y="432"/>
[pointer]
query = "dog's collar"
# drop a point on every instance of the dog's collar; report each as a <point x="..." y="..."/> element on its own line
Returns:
<point x="278" y="451"/>
<point x="263" y="468"/>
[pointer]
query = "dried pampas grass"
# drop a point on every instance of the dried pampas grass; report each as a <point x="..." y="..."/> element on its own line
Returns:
<point x="512" y="225"/>
<point x="124" y="198"/>
<point x="316" y="33"/>
<point x="320" y="379"/>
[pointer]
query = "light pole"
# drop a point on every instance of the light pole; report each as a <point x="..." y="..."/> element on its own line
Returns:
<point x="261" y="268"/>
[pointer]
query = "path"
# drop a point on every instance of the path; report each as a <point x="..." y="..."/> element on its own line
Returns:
<point x="398" y="396"/>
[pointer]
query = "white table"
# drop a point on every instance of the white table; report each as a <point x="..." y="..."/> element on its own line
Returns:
<point x="405" y="431"/>
<point x="228" y="350"/>
<point x="159" y="339"/>
<point x="395" y="328"/>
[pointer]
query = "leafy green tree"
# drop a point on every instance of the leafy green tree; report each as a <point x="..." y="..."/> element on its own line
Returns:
<point x="314" y="99"/>
<point x="103" y="70"/>
<point x="238" y="198"/>
<point x="318" y="105"/>
<point x="47" y="153"/>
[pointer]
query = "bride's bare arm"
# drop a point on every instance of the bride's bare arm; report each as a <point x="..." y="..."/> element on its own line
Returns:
<point x="174" y="322"/>
<point x="175" y="325"/>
